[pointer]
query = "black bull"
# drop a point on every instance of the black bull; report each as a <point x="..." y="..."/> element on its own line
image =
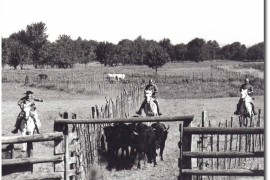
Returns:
<point x="141" y="139"/>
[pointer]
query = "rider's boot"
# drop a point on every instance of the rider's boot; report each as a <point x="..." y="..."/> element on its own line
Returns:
<point x="15" y="131"/>
<point x="142" y="106"/>
<point x="37" y="130"/>
<point x="253" y="109"/>
<point x="17" y="126"/>
<point x="158" y="110"/>
<point x="237" y="110"/>
<point x="139" y="111"/>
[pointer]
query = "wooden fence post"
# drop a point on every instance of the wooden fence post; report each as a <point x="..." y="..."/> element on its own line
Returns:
<point x="186" y="146"/>
<point x="59" y="149"/>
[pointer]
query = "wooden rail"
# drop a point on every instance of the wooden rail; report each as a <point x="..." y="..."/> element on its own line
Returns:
<point x="32" y="160"/>
<point x="33" y="138"/>
<point x="228" y="154"/>
<point x="186" y="119"/>
<point x="186" y="172"/>
<point x="212" y="130"/>
<point x="55" y="175"/>
<point x="72" y="126"/>
<point x="231" y="172"/>
<point x="26" y="164"/>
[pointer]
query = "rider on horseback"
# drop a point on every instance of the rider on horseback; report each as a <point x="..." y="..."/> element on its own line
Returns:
<point x="249" y="87"/>
<point x="151" y="86"/>
<point x="27" y="100"/>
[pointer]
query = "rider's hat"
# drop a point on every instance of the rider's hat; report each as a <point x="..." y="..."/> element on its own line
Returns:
<point x="29" y="92"/>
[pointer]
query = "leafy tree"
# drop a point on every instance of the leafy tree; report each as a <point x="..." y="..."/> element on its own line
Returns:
<point x="234" y="51"/>
<point x="17" y="53"/>
<point x="85" y="50"/>
<point x="65" y="55"/>
<point x="104" y="53"/>
<point x="126" y="52"/>
<point x="47" y="55"/>
<point x="256" y="52"/>
<point x="225" y="52"/>
<point x="5" y="52"/>
<point x="168" y="47"/>
<point x="139" y="50"/>
<point x="156" y="56"/>
<point x="196" y="49"/>
<point x="180" y="52"/>
<point x="212" y="49"/>
<point x="238" y="51"/>
<point x="35" y="37"/>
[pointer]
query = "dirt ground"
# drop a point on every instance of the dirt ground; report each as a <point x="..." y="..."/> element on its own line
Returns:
<point x="219" y="110"/>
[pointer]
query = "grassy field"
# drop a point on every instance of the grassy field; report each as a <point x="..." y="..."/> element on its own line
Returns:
<point x="172" y="101"/>
<point x="175" y="80"/>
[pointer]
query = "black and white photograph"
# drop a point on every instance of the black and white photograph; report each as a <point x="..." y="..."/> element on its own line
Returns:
<point x="133" y="90"/>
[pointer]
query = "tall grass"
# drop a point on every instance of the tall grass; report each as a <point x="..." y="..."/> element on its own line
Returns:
<point x="259" y="66"/>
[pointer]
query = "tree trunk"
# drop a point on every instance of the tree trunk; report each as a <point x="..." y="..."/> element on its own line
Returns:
<point x="156" y="70"/>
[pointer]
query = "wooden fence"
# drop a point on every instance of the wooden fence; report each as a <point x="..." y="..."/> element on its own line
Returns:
<point x="214" y="74"/>
<point x="223" y="149"/>
<point x="11" y="165"/>
<point x="87" y="135"/>
<point x="229" y="73"/>
<point x="80" y="139"/>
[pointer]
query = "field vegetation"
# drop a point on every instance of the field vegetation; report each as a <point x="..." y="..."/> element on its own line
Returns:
<point x="175" y="80"/>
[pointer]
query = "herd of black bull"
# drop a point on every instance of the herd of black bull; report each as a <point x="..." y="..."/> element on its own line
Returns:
<point x="135" y="140"/>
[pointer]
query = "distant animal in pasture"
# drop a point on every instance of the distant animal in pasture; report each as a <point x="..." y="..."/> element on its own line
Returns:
<point x="43" y="77"/>
<point x="115" y="77"/>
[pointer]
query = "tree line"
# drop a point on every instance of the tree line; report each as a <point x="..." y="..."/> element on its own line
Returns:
<point x="31" y="46"/>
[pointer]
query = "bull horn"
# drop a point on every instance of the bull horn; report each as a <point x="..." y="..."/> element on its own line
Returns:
<point x="168" y="128"/>
<point x="135" y="133"/>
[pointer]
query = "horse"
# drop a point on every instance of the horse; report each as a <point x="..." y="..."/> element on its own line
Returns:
<point x="150" y="108"/>
<point x="245" y="108"/>
<point x="27" y="125"/>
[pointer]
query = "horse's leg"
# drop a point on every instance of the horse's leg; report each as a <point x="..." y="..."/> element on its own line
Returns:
<point x="24" y="144"/>
<point x="246" y="122"/>
<point x="240" y="121"/>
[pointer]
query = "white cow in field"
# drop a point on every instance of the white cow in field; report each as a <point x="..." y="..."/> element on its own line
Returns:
<point x="120" y="77"/>
<point x="115" y="77"/>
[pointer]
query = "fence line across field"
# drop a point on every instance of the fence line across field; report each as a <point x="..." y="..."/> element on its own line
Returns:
<point x="215" y="73"/>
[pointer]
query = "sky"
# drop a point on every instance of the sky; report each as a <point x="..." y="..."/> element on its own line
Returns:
<point x="225" y="21"/>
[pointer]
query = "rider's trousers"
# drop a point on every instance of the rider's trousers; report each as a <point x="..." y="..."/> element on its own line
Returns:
<point x="241" y="101"/>
<point x="33" y="114"/>
<point x="144" y="102"/>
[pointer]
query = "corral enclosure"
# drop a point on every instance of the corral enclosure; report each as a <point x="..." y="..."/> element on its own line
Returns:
<point x="175" y="94"/>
